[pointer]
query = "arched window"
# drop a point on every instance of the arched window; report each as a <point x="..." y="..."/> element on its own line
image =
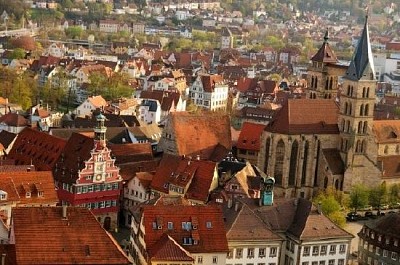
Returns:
<point x="368" y="92"/>
<point x="326" y="182"/>
<point x="348" y="90"/>
<point x="331" y="83"/>
<point x="316" y="82"/>
<point x="279" y="159"/>
<point x="366" y="110"/>
<point x="362" y="110"/>
<point x="386" y="150"/>
<point x="316" y="164"/>
<point x="364" y="146"/>
<point x="293" y="163"/>
<point x="342" y="125"/>
<point x="360" y="124"/>
<point x="350" y="108"/>
<point x="364" y="92"/>
<point x="365" y="127"/>
<point x="337" y="184"/>
<point x="312" y="81"/>
<point x="346" y="106"/>
<point x="347" y="126"/>
<point x="351" y="91"/>
<point x="267" y="144"/>
<point x="358" y="146"/>
<point x="304" y="170"/>
<point x="327" y="84"/>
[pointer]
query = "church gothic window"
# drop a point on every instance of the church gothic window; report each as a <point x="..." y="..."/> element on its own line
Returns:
<point x="305" y="159"/>
<point x="362" y="110"/>
<point x="293" y="163"/>
<point x="366" y="110"/>
<point x="268" y="143"/>
<point x="279" y="160"/>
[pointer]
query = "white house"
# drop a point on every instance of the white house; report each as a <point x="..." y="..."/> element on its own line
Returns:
<point x="56" y="49"/>
<point x="150" y="111"/>
<point x="210" y="92"/>
<point x="89" y="105"/>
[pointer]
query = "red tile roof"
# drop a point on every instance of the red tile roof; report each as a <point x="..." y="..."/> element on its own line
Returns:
<point x="167" y="249"/>
<point x="34" y="183"/>
<point x="13" y="119"/>
<point x="183" y="171"/>
<point x="210" y="81"/>
<point x="390" y="166"/>
<point x="199" y="134"/>
<point x="77" y="239"/>
<point x="37" y="148"/>
<point x="306" y="116"/>
<point x="211" y="239"/>
<point x="387" y="131"/>
<point x="325" y="53"/>
<point x="250" y="135"/>
<point x="125" y="153"/>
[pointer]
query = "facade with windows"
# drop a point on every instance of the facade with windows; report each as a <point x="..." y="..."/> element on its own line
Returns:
<point x="209" y="92"/>
<point x="379" y="241"/>
<point x="86" y="175"/>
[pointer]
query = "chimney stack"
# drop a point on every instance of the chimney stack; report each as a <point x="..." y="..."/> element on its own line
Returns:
<point x="230" y="202"/>
<point x="236" y="206"/>
<point x="64" y="211"/>
<point x="3" y="259"/>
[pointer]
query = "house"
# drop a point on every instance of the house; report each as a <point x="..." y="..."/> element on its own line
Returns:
<point x="210" y="92"/>
<point x="379" y="241"/>
<point x="248" y="145"/>
<point x="226" y="38"/>
<point x="89" y="105"/>
<point x="193" y="135"/>
<point x="191" y="178"/>
<point x="13" y="122"/>
<point x="25" y="189"/>
<point x="67" y="235"/>
<point x="176" y="233"/>
<point x="86" y="175"/>
<point x="56" y="49"/>
<point x="109" y="26"/>
<point x="7" y="140"/>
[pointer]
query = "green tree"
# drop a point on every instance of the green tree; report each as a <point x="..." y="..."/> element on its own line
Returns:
<point x="17" y="53"/>
<point x="358" y="197"/>
<point x="74" y="32"/>
<point x="330" y="206"/>
<point x="378" y="195"/>
<point x="394" y="194"/>
<point x="275" y="42"/>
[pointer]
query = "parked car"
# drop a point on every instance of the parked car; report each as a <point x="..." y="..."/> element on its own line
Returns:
<point x="353" y="216"/>
<point x="370" y="214"/>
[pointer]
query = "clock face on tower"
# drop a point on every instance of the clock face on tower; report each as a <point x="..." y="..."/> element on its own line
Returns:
<point x="98" y="177"/>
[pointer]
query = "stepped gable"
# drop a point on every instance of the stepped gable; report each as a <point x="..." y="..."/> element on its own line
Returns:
<point x="37" y="148"/>
<point x="325" y="53"/>
<point x="306" y="116"/>
<point x="362" y="63"/>
<point x="77" y="238"/>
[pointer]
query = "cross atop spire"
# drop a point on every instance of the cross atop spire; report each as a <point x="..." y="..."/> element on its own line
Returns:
<point x="326" y="36"/>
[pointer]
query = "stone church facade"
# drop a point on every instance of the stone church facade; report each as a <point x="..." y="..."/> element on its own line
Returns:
<point x="317" y="142"/>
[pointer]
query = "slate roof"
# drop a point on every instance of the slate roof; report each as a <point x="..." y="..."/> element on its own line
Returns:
<point x="210" y="239"/>
<point x="334" y="160"/>
<point x="250" y="136"/>
<point x="199" y="134"/>
<point x="362" y="63"/>
<point x="306" y="116"/>
<point x="325" y="53"/>
<point x="37" y="148"/>
<point x="77" y="239"/>
<point x="183" y="171"/>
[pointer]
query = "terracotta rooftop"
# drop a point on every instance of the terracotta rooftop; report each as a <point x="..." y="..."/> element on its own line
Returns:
<point x="199" y="134"/>
<point x="386" y="131"/>
<point x="13" y="119"/>
<point x="207" y="227"/>
<point x="198" y="174"/>
<point x="250" y="136"/>
<point x="37" y="148"/>
<point x="210" y="81"/>
<point x="97" y="101"/>
<point x="76" y="239"/>
<point x="167" y="249"/>
<point x="33" y="187"/>
<point x="306" y="116"/>
<point x="325" y="54"/>
<point x="390" y="166"/>
<point x="125" y="153"/>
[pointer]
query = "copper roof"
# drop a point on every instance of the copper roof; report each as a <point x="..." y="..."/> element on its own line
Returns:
<point x="306" y="116"/>
<point x="76" y="239"/>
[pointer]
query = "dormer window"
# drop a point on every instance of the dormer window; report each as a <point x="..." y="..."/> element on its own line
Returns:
<point x="40" y="193"/>
<point x="209" y="225"/>
<point x="27" y="194"/>
<point x="3" y="195"/>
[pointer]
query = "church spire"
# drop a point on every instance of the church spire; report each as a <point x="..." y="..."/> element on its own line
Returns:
<point x="362" y="64"/>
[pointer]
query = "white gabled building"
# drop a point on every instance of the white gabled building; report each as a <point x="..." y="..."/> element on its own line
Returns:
<point x="89" y="105"/>
<point x="210" y="92"/>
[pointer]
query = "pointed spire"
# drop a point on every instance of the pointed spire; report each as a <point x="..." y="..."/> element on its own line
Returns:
<point x="325" y="54"/>
<point x="362" y="64"/>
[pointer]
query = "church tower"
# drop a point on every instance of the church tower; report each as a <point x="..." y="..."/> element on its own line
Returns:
<point x="100" y="132"/>
<point x="357" y="103"/>
<point x="323" y="74"/>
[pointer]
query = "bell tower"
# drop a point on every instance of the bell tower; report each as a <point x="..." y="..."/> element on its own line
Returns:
<point x="100" y="132"/>
<point x="357" y="101"/>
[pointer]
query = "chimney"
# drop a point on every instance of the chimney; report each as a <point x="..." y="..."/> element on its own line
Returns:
<point x="64" y="211"/>
<point x="236" y="206"/>
<point x="3" y="259"/>
<point x="230" y="202"/>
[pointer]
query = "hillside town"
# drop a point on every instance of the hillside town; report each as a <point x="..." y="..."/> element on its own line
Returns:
<point x="199" y="132"/>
